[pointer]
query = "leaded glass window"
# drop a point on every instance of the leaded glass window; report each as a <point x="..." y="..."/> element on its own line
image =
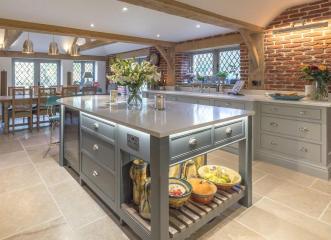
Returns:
<point x="203" y="64"/>
<point x="79" y="68"/>
<point x="24" y="73"/>
<point x="229" y="61"/>
<point x="48" y="74"/>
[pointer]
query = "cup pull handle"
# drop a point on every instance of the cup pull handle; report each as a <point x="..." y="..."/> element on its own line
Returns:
<point x="193" y="142"/>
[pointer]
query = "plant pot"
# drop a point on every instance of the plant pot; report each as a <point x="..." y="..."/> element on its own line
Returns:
<point x="321" y="91"/>
<point x="134" y="99"/>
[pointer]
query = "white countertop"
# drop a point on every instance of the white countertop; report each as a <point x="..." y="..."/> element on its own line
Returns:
<point x="246" y="97"/>
<point x="178" y="117"/>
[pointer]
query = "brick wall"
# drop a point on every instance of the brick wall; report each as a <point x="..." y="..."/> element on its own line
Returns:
<point x="182" y="65"/>
<point x="285" y="53"/>
<point x="244" y="62"/>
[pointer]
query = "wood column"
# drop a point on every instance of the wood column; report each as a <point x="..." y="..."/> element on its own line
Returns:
<point x="169" y="55"/>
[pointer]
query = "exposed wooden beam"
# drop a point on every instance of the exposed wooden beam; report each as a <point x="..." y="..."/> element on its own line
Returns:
<point x="133" y="54"/>
<point x="75" y="40"/>
<point x="94" y="44"/>
<point x="169" y="56"/>
<point x="17" y="54"/>
<point x="209" y="43"/>
<point x="11" y="35"/>
<point x="187" y="11"/>
<point x="75" y="32"/>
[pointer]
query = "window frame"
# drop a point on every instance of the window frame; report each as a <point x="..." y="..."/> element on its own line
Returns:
<point x="82" y="69"/>
<point x="216" y="57"/>
<point x="36" y="66"/>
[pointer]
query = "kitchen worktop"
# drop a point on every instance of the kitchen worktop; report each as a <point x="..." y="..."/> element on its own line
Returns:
<point x="247" y="97"/>
<point x="176" y="118"/>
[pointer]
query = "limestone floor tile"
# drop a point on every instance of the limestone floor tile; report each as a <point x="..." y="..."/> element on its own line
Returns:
<point x="18" y="177"/>
<point x="32" y="140"/>
<point x="56" y="229"/>
<point x="10" y="145"/>
<point x="231" y="230"/>
<point x="52" y="173"/>
<point x="322" y="185"/>
<point x="77" y="206"/>
<point x="286" y="174"/>
<point x="13" y="159"/>
<point x="326" y="217"/>
<point x="106" y="230"/>
<point x="275" y="222"/>
<point x="23" y="209"/>
<point x="303" y="199"/>
<point x="37" y="153"/>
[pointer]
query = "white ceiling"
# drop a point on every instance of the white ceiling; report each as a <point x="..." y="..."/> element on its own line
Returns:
<point x="107" y="16"/>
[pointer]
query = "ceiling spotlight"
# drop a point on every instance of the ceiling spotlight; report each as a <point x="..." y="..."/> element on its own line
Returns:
<point x="124" y="9"/>
<point x="158" y="35"/>
<point x="197" y="26"/>
<point x="92" y="25"/>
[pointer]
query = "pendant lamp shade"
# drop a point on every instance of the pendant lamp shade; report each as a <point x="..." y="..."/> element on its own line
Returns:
<point x="53" y="48"/>
<point x="27" y="46"/>
<point x="74" y="52"/>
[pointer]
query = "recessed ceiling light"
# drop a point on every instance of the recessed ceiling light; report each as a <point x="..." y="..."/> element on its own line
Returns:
<point x="197" y="26"/>
<point x="124" y="9"/>
<point x="158" y="35"/>
<point x="92" y="25"/>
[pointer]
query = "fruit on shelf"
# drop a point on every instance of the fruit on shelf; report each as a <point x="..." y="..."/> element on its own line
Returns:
<point x="203" y="191"/>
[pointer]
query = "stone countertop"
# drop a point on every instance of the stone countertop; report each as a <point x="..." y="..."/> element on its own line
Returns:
<point x="247" y="97"/>
<point x="176" y="118"/>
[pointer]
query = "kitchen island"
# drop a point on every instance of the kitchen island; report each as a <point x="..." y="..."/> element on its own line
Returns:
<point x="111" y="136"/>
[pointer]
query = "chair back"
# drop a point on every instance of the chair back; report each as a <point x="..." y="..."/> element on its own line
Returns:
<point x="22" y="102"/>
<point x="89" y="90"/>
<point x="57" y="87"/>
<point x="43" y="94"/>
<point x="35" y="90"/>
<point x="69" y="91"/>
<point x="18" y="91"/>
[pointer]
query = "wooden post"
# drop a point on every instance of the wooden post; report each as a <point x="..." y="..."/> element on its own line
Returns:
<point x="169" y="55"/>
<point x="3" y="83"/>
<point x="69" y="78"/>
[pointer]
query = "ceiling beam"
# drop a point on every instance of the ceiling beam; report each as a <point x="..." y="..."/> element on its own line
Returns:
<point x="10" y="37"/>
<point x="187" y="11"/>
<point x="209" y="43"/>
<point x="75" y="32"/>
<point x="17" y="54"/>
<point x="94" y="44"/>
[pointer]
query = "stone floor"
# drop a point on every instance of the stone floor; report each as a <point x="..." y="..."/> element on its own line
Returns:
<point x="41" y="201"/>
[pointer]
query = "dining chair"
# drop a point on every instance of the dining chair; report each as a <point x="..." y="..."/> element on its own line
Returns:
<point x="69" y="91"/>
<point x="19" y="90"/>
<point x="21" y="107"/>
<point x="35" y="90"/>
<point x="42" y="106"/>
<point x="89" y="90"/>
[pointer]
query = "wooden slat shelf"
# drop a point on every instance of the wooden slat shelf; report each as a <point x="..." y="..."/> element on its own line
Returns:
<point x="186" y="220"/>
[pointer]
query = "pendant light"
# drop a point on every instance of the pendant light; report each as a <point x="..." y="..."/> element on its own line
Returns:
<point x="53" y="49"/>
<point x="75" y="51"/>
<point x="27" y="46"/>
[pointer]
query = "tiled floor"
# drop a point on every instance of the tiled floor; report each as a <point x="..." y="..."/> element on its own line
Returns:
<point x="41" y="201"/>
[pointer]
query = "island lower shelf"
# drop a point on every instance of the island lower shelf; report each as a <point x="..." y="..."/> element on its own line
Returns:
<point x="189" y="218"/>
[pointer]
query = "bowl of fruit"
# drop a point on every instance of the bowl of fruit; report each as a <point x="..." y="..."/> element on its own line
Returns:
<point x="179" y="192"/>
<point x="203" y="191"/>
<point x="224" y="178"/>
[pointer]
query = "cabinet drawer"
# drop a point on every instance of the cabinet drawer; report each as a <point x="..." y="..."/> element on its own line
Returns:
<point x="102" y="178"/>
<point x="229" y="104"/>
<point x="229" y="132"/>
<point x="99" y="127"/>
<point x="298" y="112"/>
<point x="294" y="128"/>
<point x="306" y="151"/>
<point x="189" y="143"/>
<point x="102" y="151"/>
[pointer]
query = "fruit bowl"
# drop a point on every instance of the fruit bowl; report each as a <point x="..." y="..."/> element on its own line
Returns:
<point x="179" y="192"/>
<point x="203" y="191"/>
<point x="224" y="178"/>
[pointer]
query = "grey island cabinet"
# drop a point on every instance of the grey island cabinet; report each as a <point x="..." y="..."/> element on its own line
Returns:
<point x="112" y="136"/>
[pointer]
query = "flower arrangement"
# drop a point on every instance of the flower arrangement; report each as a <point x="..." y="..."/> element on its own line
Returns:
<point x="128" y="72"/>
<point x="320" y="75"/>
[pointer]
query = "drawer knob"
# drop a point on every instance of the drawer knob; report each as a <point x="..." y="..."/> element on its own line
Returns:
<point x="96" y="126"/>
<point x="193" y="142"/>
<point x="302" y="112"/>
<point x="303" y="129"/>
<point x="274" y="124"/>
<point x="303" y="149"/>
<point x="273" y="143"/>
<point x="228" y="131"/>
<point x="95" y="173"/>
<point x="95" y="147"/>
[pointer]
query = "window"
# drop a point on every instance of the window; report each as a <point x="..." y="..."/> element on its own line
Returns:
<point x="30" y="72"/>
<point x="213" y="61"/>
<point x="79" y="68"/>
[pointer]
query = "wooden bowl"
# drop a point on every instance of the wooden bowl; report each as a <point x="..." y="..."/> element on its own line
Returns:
<point x="203" y="191"/>
<point x="179" y="201"/>
<point x="234" y="176"/>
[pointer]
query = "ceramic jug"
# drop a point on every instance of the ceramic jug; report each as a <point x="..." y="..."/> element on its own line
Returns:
<point x="189" y="169"/>
<point x="138" y="174"/>
<point x="145" y="205"/>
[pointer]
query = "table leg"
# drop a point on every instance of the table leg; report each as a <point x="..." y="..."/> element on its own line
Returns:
<point x="159" y="166"/>
<point x="5" y="117"/>
<point x="245" y="163"/>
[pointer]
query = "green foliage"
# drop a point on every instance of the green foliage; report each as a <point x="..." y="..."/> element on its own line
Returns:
<point x="222" y="74"/>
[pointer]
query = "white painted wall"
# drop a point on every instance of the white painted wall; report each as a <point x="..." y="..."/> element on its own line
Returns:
<point x="101" y="74"/>
<point x="66" y="66"/>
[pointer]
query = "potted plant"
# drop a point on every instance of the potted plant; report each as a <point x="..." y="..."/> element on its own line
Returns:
<point x="319" y="76"/>
<point x="128" y="72"/>
<point x="222" y="75"/>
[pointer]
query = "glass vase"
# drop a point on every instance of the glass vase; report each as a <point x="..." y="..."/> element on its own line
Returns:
<point x="321" y="92"/>
<point x="134" y="100"/>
